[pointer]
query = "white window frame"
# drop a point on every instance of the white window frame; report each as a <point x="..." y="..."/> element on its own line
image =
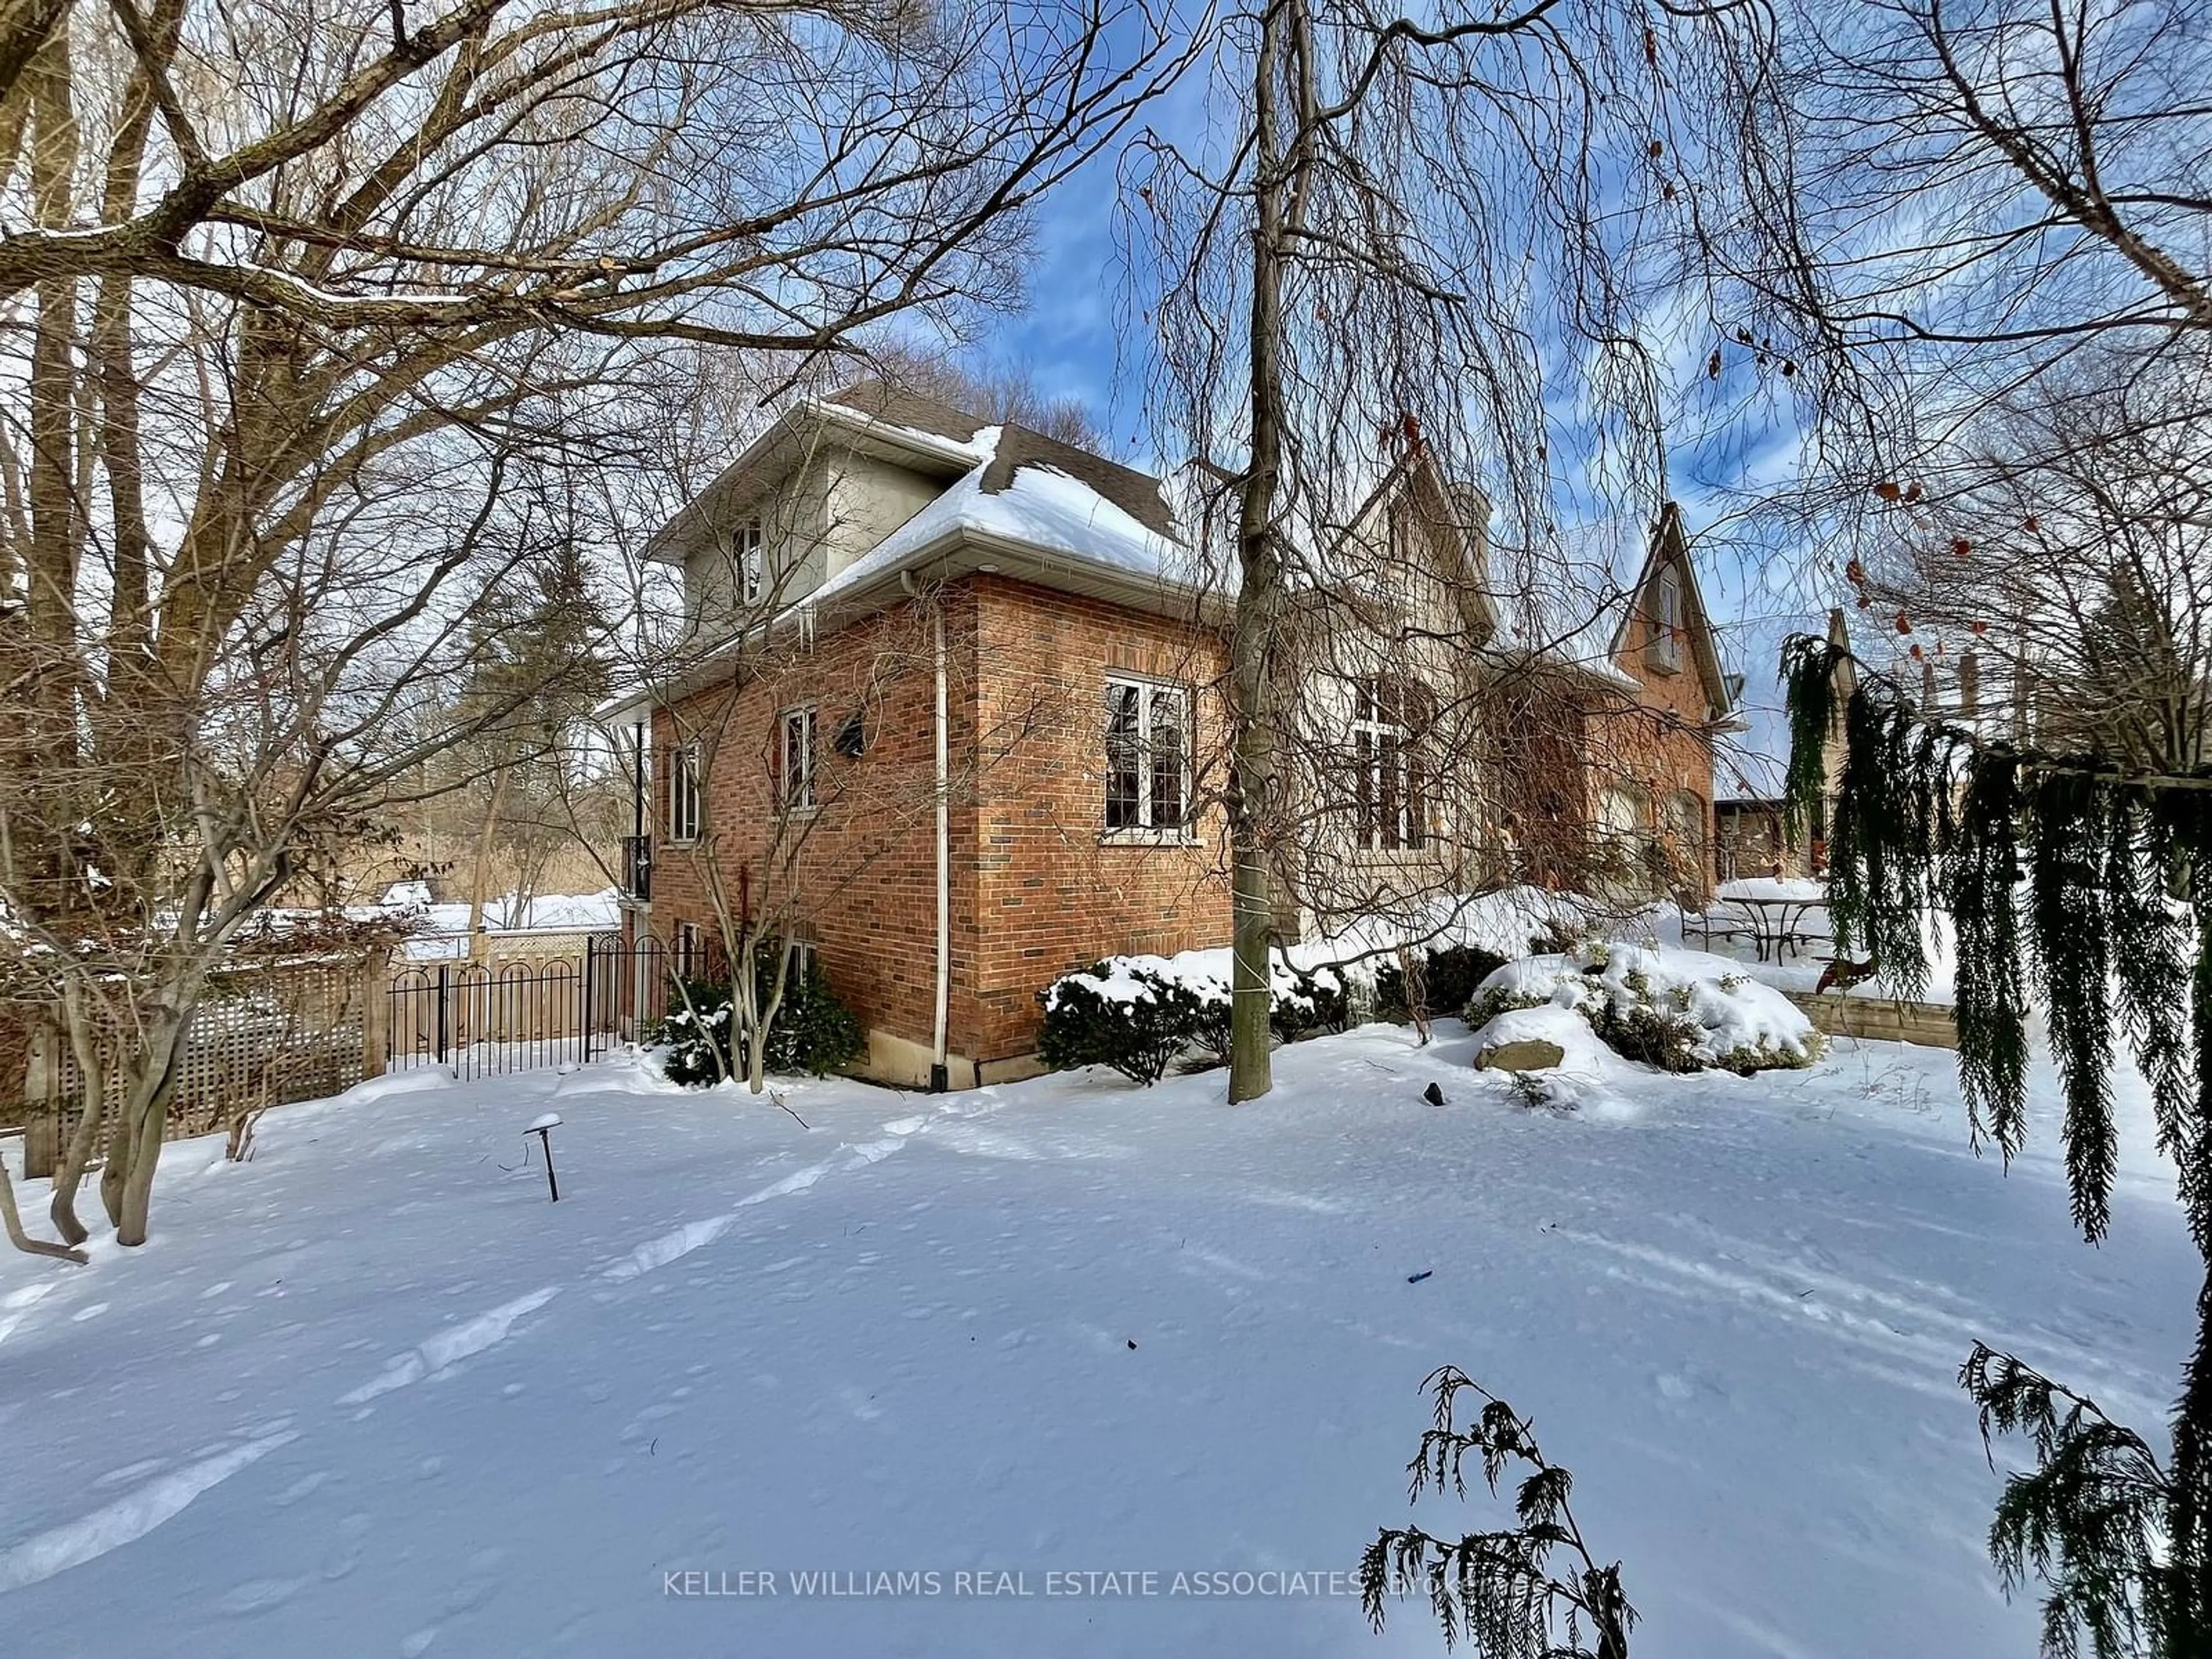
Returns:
<point x="795" y="767"/>
<point x="1148" y="693"/>
<point x="683" y="801"/>
<point x="750" y="549"/>
<point x="1386" y="750"/>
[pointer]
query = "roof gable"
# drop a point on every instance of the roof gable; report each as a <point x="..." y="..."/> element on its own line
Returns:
<point x="1669" y="550"/>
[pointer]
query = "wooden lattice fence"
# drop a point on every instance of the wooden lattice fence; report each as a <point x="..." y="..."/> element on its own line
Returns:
<point x="266" y="1035"/>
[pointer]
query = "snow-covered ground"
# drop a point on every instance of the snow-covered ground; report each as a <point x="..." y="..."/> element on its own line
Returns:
<point x="371" y="1394"/>
<point x="559" y="916"/>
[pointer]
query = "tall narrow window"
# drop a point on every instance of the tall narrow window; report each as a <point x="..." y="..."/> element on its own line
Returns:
<point x="1632" y="857"/>
<point x="1667" y="620"/>
<point x="1686" y="833"/>
<point x="1147" y="756"/>
<point x="749" y="547"/>
<point x="1390" y="783"/>
<point x="797" y="770"/>
<point x="684" y="793"/>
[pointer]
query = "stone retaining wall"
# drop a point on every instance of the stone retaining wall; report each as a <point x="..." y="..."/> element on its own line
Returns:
<point x="1885" y="1018"/>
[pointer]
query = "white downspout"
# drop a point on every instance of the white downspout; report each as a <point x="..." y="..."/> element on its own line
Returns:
<point x="940" y="1048"/>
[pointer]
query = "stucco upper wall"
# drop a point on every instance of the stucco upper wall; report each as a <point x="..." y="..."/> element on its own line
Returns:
<point x="831" y="508"/>
<point x="864" y="500"/>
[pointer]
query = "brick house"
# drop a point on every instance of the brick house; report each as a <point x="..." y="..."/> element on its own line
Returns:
<point x="949" y="708"/>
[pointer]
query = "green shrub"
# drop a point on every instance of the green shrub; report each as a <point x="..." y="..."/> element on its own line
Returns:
<point x="813" y="1033"/>
<point x="1647" y="1033"/>
<point x="1140" y="1033"/>
<point x="1139" y="1036"/>
<point x="1486" y="1005"/>
<point x="1449" y="976"/>
<point x="1640" y="1012"/>
<point x="697" y="1032"/>
<point x="1316" y="1004"/>
<point x="1746" y="1057"/>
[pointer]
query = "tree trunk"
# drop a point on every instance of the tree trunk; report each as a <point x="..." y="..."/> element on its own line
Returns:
<point x="1252" y="804"/>
<point x="134" y="1143"/>
<point x="91" y="1074"/>
<point x="120" y="1144"/>
<point x="480" y="877"/>
<point x="146" y="1156"/>
<point x="13" y="1221"/>
<point x="762" y="1020"/>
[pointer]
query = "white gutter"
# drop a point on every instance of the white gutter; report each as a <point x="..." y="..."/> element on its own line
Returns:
<point x="940" y="1048"/>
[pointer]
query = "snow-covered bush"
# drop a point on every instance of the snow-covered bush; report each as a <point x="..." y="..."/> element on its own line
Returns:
<point x="1133" y="1018"/>
<point x="1315" y="1001"/>
<point x="813" y="1033"/>
<point x="1491" y="1000"/>
<point x="1681" y="1011"/>
<point x="1139" y="1014"/>
<point x="1650" y="1036"/>
<point x="696" y="1033"/>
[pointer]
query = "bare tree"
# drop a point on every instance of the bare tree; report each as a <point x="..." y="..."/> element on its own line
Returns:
<point x="1954" y="200"/>
<point x="1423" y="237"/>
<point x="2051" y="580"/>
<point x="324" y="327"/>
<point x="998" y="390"/>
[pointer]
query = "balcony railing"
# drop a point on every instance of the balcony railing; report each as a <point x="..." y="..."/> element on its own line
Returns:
<point x="637" y="868"/>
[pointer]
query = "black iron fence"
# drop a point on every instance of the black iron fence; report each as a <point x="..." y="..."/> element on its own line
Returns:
<point x="484" y="1018"/>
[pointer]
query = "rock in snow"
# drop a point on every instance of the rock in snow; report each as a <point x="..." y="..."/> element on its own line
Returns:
<point x="1520" y="1054"/>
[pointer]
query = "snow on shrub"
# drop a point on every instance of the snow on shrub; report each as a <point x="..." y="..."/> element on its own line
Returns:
<point x="813" y="1033"/>
<point x="1122" y="1013"/>
<point x="697" y="1034"/>
<point x="1139" y="1014"/>
<point x="1681" y="1011"/>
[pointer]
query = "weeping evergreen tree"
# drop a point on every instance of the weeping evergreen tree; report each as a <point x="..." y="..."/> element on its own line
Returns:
<point x="2082" y="880"/>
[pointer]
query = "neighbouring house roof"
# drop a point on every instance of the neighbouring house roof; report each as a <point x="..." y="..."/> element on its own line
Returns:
<point x="909" y="411"/>
<point x="932" y="438"/>
<point x="1136" y="493"/>
<point x="1069" y="514"/>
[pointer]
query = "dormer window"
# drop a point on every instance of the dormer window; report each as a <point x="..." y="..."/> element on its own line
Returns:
<point x="1666" y="650"/>
<point x="749" y="547"/>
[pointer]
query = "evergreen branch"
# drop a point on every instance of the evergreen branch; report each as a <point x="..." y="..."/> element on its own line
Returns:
<point x="1497" y="1590"/>
<point x="2067" y="865"/>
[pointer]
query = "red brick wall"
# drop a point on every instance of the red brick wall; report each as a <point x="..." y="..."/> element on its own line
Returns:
<point x="864" y="878"/>
<point x="1037" y="887"/>
<point x="1054" y="891"/>
<point x="1663" y="742"/>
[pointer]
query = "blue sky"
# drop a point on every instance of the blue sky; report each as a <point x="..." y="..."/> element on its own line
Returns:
<point x="1072" y="338"/>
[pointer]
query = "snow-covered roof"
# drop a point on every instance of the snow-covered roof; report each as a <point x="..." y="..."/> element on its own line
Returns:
<point x="1037" y="505"/>
<point x="1061" y="513"/>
